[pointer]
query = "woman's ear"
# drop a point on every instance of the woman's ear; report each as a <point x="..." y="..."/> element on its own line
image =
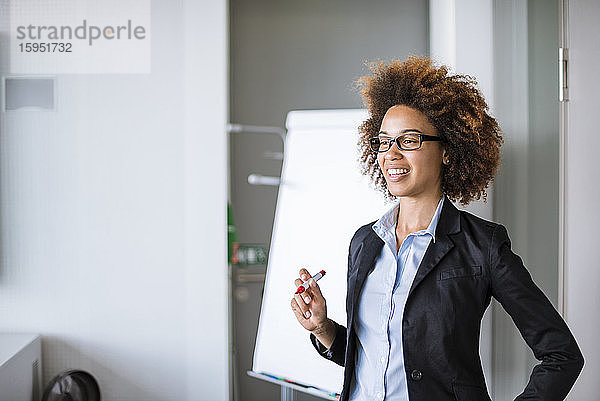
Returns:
<point x="445" y="158"/>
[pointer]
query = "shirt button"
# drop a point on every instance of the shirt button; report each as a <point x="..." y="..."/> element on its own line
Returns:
<point x="382" y="359"/>
<point x="379" y="395"/>
<point x="416" y="375"/>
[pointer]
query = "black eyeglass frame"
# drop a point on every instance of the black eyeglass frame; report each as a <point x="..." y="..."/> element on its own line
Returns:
<point x="422" y="138"/>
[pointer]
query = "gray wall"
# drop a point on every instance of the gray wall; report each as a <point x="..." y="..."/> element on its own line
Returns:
<point x="526" y="188"/>
<point x="288" y="55"/>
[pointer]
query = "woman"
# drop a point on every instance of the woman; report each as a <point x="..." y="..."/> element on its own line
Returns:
<point x="421" y="277"/>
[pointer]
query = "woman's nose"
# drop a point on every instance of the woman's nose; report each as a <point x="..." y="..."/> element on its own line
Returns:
<point x="393" y="153"/>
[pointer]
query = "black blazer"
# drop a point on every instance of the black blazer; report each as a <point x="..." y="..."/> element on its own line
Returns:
<point x="470" y="262"/>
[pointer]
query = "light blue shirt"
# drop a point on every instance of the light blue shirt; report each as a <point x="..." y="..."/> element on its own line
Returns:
<point x="380" y="373"/>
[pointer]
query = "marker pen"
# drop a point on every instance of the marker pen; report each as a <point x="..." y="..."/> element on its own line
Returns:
<point x="304" y="285"/>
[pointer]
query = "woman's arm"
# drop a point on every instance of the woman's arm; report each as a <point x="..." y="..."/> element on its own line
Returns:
<point x="326" y="334"/>
<point x="539" y="323"/>
<point x="336" y="351"/>
<point x="310" y="308"/>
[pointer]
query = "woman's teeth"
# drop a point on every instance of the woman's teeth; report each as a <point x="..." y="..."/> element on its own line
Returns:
<point x="394" y="172"/>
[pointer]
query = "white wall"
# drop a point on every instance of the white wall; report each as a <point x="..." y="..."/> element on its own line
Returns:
<point x="512" y="365"/>
<point x="527" y="108"/>
<point x="582" y="269"/>
<point x="460" y="37"/>
<point x="112" y="230"/>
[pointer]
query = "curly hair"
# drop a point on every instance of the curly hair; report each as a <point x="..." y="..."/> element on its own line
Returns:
<point x="453" y="105"/>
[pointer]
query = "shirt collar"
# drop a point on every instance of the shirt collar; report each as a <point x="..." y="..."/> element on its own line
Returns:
<point x="387" y="222"/>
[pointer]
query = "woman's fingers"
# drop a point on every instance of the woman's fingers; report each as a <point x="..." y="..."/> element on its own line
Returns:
<point x="312" y="290"/>
<point x="309" y="305"/>
<point x="300" y="316"/>
<point x="305" y="273"/>
<point x="315" y="289"/>
<point x="304" y="276"/>
<point x="304" y="307"/>
<point x="307" y="296"/>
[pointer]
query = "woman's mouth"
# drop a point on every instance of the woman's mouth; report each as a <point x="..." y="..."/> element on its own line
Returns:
<point x="396" y="174"/>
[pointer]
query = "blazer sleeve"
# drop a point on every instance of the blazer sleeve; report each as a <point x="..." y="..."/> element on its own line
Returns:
<point x="541" y="326"/>
<point x="337" y="352"/>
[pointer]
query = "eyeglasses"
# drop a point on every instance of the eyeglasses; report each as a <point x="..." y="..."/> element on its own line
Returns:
<point x="412" y="141"/>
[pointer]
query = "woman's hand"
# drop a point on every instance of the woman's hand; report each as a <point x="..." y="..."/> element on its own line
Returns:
<point x="310" y="309"/>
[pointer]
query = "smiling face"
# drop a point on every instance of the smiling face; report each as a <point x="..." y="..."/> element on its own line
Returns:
<point x="420" y="170"/>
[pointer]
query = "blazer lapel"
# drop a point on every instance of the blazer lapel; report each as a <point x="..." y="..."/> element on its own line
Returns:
<point x="372" y="245"/>
<point x="449" y="223"/>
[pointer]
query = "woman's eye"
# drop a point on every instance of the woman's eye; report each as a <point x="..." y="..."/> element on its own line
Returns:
<point x="410" y="139"/>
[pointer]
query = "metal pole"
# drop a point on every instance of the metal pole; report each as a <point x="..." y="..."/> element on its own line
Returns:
<point x="287" y="393"/>
<point x="256" y="129"/>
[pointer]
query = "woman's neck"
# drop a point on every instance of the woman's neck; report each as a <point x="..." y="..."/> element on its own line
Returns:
<point x="415" y="214"/>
